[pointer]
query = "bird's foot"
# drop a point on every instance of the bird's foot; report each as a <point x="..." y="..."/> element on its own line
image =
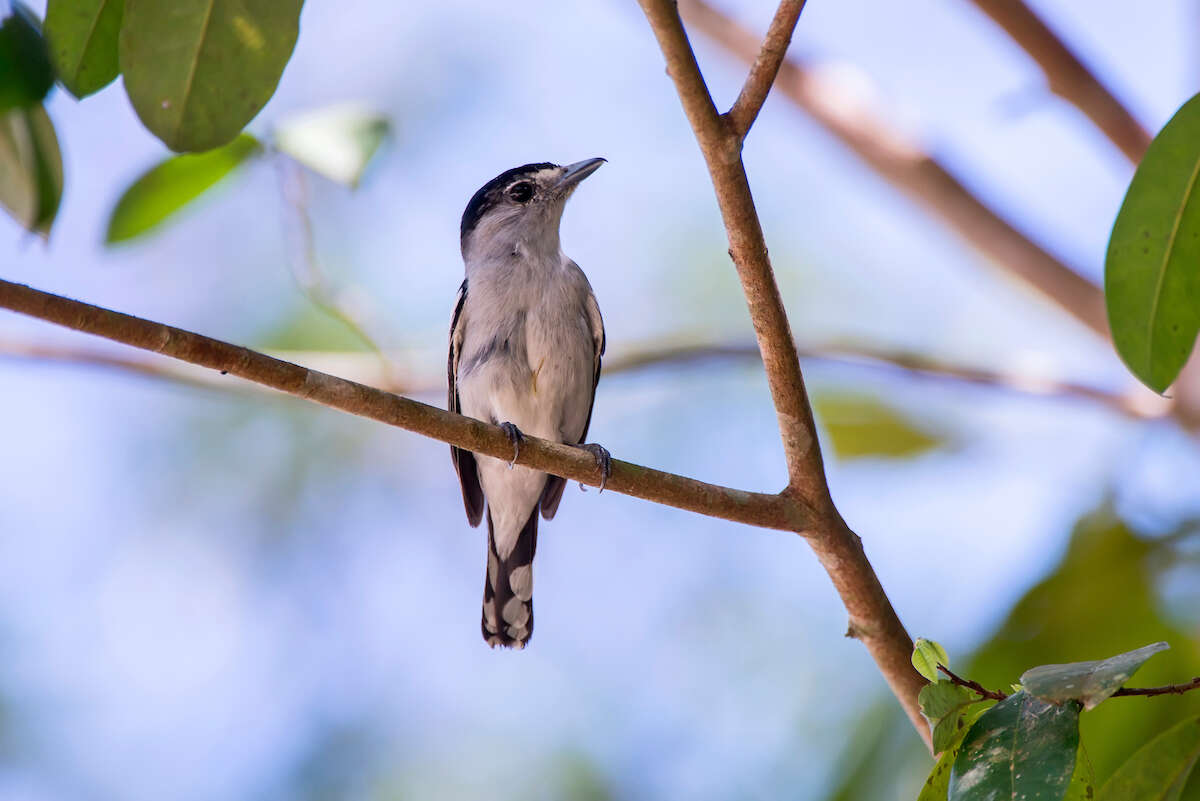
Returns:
<point x="603" y="461"/>
<point x="515" y="437"/>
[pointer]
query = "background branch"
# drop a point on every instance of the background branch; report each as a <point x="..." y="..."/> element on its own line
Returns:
<point x="904" y="164"/>
<point x="1068" y="77"/>
<point x="759" y="509"/>
<point x="840" y="551"/>
<point x="366" y="368"/>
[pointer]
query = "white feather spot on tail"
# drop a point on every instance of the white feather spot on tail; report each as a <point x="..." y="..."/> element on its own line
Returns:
<point x="516" y="612"/>
<point x="521" y="581"/>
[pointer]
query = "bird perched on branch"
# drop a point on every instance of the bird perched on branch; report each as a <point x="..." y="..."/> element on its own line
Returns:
<point x="525" y="345"/>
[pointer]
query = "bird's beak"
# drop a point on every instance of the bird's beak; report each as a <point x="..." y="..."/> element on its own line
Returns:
<point x="576" y="172"/>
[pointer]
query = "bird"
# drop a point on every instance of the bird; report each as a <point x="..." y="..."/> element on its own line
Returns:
<point x="526" y="341"/>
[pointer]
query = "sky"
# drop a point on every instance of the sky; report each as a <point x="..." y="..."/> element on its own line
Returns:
<point x="211" y="594"/>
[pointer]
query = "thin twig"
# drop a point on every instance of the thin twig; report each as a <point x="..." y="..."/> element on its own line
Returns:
<point x="1067" y="75"/>
<point x="903" y="162"/>
<point x="1124" y="692"/>
<point x="974" y="686"/>
<point x="759" y="509"/>
<point x="1168" y="689"/>
<point x="766" y="66"/>
<point x="839" y="549"/>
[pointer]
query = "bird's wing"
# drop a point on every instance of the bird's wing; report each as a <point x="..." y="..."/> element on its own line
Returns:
<point x="552" y="494"/>
<point x="464" y="461"/>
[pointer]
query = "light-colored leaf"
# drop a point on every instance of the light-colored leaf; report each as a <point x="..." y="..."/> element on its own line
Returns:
<point x="927" y="655"/>
<point x="31" y="170"/>
<point x="1159" y="770"/>
<point x="337" y="142"/>
<point x="937" y="784"/>
<point x="1152" y="271"/>
<point x="1090" y="683"/>
<point x="944" y="704"/>
<point x="1022" y="749"/>
<point x="1083" y="780"/>
<point x="861" y="426"/>
<point x="82" y="35"/>
<point x="172" y="184"/>
<point x="197" y="71"/>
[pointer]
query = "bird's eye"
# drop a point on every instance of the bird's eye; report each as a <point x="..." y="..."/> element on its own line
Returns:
<point x="521" y="192"/>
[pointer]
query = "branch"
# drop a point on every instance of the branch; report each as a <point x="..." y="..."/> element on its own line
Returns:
<point x="1125" y="692"/>
<point x="904" y="164"/>
<point x="974" y="686"/>
<point x="1169" y="689"/>
<point x="1068" y="77"/>
<point x="872" y="618"/>
<point x="758" y="83"/>
<point x="759" y="509"/>
<point x="721" y="150"/>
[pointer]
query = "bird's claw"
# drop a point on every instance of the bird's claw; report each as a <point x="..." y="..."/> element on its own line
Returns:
<point x="515" y="437"/>
<point x="603" y="461"/>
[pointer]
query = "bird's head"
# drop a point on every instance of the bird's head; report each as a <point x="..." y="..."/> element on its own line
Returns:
<point x="519" y="210"/>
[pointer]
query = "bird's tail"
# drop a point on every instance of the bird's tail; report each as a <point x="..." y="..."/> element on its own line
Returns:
<point x="508" y="588"/>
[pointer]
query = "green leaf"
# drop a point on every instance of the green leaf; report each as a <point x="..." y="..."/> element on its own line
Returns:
<point x="860" y="426"/>
<point x="937" y="784"/>
<point x="25" y="72"/>
<point x="1102" y="596"/>
<point x="198" y="70"/>
<point x="1083" y="782"/>
<point x="944" y="705"/>
<point x="1152" y="272"/>
<point x="1160" y="769"/>
<point x="927" y="655"/>
<point x="1022" y="749"/>
<point x="336" y="142"/>
<point x="31" y="171"/>
<point x="1090" y="683"/>
<point x="171" y="185"/>
<point x="83" y="42"/>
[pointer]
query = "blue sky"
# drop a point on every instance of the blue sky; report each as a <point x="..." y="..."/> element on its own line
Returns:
<point x="213" y="595"/>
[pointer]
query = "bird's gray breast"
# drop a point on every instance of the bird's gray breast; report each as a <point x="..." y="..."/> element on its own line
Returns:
<point x="527" y="353"/>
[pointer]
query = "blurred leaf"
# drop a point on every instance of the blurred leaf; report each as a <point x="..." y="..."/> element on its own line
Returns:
<point x="83" y="42"/>
<point x="311" y="328"/>
<point x="879" y="748"/>
<point x="1083" y="783"/>
<point x="937" y="785"/>
<point x="171" y="185"/>
<point x="31" y="171"/>
<point x="1159" y="770"/>
<point x="1022" y="749"/>
<point x="1087" y="682"/>
<point x="336" y="142"/>
<point x="861" y="426"/>
<point x="25" y="72"/>
<point x="1099" y="598"/>
<point x="927" y="655"/>
<point x="1152" y="272"/>
<point x="944" y="704"/>
<point x="197" y="71"/>
<point x="573" y="776"/>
